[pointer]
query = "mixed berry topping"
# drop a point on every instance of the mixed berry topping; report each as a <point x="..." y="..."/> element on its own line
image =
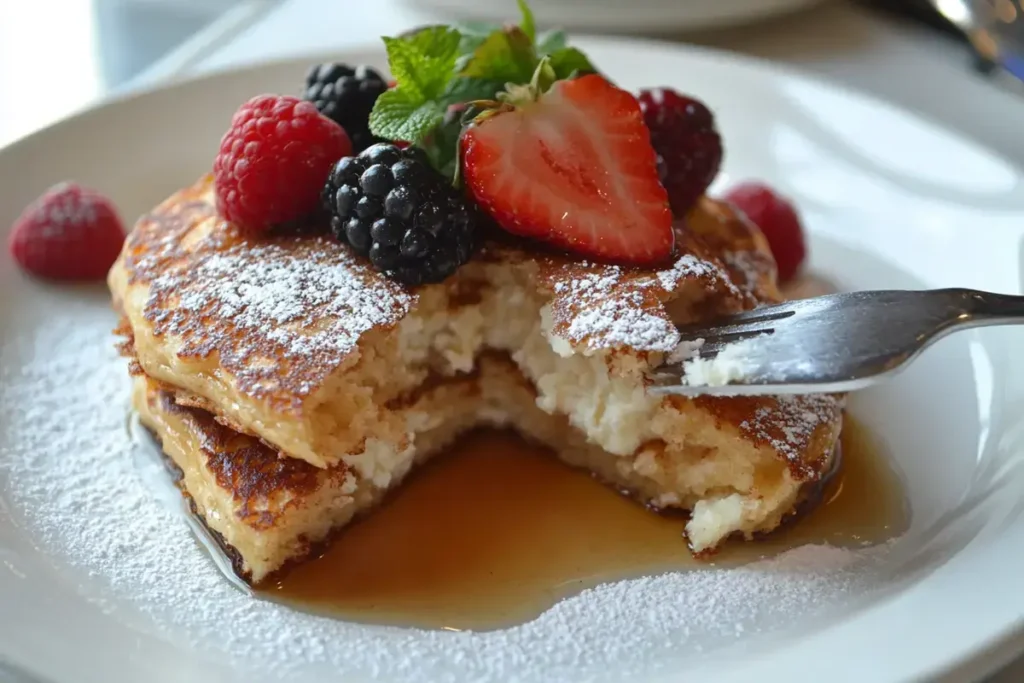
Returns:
<point x="498" y="125"/>
<point x="274" y="160"/>
<point x="390" y="205"/>
<point x="69" y="233"/>
<point x="573" y="167"/>
<point x="346" y="95"/>
<point x="778" y="220"/>
<point x="688" y="145"/>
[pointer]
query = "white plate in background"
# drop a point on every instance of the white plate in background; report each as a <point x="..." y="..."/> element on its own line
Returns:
<point x="658" y="16"/>
<point x="98" y="583"/>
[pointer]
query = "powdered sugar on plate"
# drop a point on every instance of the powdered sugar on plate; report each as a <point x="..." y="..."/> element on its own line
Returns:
<point x="66" y="456"/>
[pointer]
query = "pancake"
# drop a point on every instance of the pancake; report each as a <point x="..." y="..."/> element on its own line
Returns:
<point x="297" y="343"/>
<point x="269" y="511"/>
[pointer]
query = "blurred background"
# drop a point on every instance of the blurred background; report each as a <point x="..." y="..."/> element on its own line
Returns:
<point x="57" y="56"/>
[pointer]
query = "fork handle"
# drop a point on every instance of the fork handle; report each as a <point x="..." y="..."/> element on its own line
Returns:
<point x="989" y="308"/>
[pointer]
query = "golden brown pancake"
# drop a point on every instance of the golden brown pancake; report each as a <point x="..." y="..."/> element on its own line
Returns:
<point x="297" y="342"/>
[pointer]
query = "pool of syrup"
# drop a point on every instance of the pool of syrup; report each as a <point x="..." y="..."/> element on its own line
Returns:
<point x="495" y="531"/>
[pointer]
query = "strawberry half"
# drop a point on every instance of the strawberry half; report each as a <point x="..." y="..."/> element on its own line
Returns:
<point x="572" y="167"/>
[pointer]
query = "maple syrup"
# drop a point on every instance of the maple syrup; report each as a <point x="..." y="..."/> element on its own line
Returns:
<point x="496" y="531"/>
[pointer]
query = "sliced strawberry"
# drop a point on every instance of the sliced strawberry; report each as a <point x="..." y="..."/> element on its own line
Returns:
<point x="575" y="168"/>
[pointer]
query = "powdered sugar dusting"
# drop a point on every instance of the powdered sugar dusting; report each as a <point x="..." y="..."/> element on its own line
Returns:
<point x="281" y="314"/>
<point x="789" y="426"/>
<point x="607" y="306"/>
<point x="623" y="322"/>
<point x="689" y="266"/>
<point x="309" y="306"/>
<point x="65" y="454"/>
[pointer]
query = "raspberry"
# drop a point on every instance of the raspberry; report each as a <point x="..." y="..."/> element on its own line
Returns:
<point x="778" y="220"/>
<point x="390" y="205"/>
<point x="689" y="149"/>
<point x="69" y="233"/>
<point x="274" y="160"/>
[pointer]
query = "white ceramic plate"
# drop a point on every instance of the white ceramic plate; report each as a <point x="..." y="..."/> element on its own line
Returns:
<point x="98" y="583"/>
<point x="637" y="15"/>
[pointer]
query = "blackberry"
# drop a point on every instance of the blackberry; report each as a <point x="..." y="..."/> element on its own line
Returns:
<point x="687" y="143"/>
<point x="390" y="205"/>
<point x="346" y="95"/>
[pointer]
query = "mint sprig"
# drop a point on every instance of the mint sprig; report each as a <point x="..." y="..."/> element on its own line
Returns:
<point x="399" y="115"/>
<point x="568" y="62"/>
<point x="476" y="32"/>
<point x="422" y="64"/>
<point x="511" y="55"/>
<point x="551" y="42"/>
<point x="473" y="33"/>
<point x="468" y="89"/>
<point x="423" y="60"/>
<point x="506" y="56"/>
<point x="440" y="66"/>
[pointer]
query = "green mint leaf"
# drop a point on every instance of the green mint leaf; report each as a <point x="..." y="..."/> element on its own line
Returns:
<point x="478" y="29"/>
<point x="400" y="115"/>
<point x="568" y="61"/>
<point x="465" y="89"/>
<point x="473" y="33"/>
<point x="423" y="62"/>
<point x="551" y="42"/>
<point x="442" y="145"/>
<point x="527" y="25"/>
<point x="505" y="55"/>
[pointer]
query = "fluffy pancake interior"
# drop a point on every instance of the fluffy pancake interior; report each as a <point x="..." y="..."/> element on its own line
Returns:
<point x="270" y="510"/>
<point x="672" y="453"/>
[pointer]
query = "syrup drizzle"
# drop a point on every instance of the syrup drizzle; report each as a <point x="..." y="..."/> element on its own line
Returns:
<point x="496" y="531"/>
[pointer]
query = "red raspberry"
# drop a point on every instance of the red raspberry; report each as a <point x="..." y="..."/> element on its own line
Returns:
<point x="779" y="222"/>
<point x="274" y="160"/>
<point x="69" y="233"/>
<point x="688" y="146"/>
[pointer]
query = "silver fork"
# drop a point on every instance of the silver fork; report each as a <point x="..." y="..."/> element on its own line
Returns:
<point x="833" y="343"/>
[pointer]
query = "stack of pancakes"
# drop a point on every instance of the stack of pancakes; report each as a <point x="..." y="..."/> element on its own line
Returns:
<point x="293" y="386"/>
